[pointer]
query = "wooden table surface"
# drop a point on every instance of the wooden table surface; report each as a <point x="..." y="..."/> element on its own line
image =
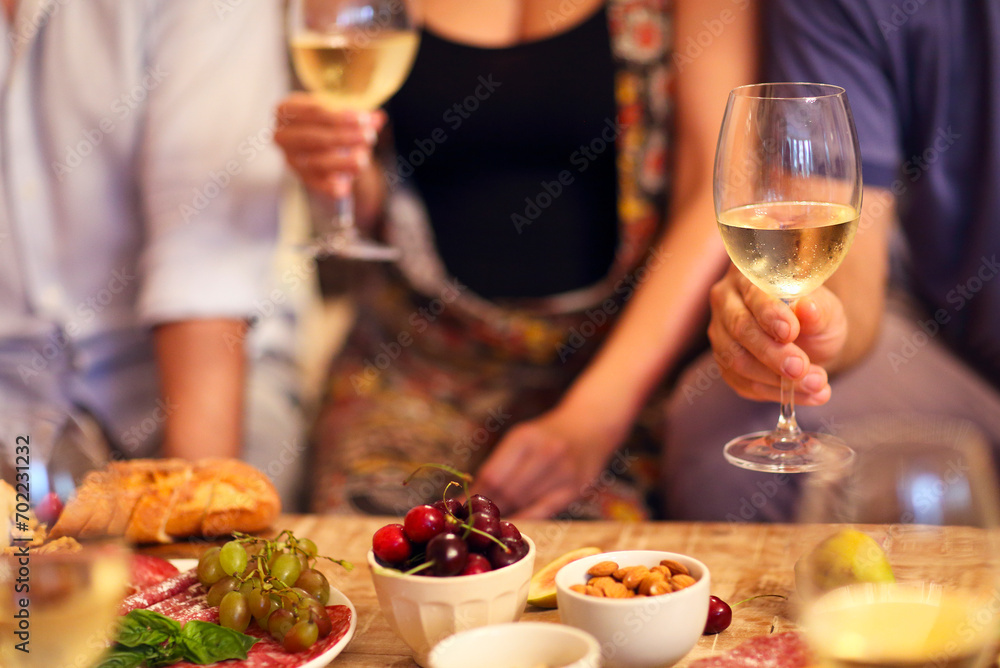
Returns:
<point x="744" y="560"/>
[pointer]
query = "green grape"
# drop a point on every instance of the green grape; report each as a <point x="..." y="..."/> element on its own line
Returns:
<point x="233" y="611"/>
<point x="315" y="584"/>
<point x="220" y="589"/>
<point x="279" y="622"/>
<point x="249" y="585"/>
<point x="209" y="569"/>
<point x="233" y="558"/>
<point x="286" y="568"/>
<point x="300" y="637"/>
<point x="308" y="547"/>
<point x="259" y="603"/>
<point x="319" y="616"/>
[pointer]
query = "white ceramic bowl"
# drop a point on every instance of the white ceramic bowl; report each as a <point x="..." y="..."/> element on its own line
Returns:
<point x="518" y="644"/>
<point x="424" y="610"/>
<point x="640" y="632"/>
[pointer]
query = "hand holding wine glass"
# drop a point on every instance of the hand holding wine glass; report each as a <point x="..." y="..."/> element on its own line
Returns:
<point x="354" y="54"/>
<point x="788" y="197"/>
<point x="911" y="577"/>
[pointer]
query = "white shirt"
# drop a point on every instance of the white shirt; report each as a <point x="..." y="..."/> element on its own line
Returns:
<point x="138" y="180"/>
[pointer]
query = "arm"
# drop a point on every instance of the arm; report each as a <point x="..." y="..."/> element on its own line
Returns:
<point x="209" y="182"/>
<point x="202" y="373"/>
<point x="543" y="465"/>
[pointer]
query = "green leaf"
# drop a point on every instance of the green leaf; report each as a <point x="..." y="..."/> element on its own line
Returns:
<point x="145" y="627"/>
<point x="204" y="642"/>
<point x="122" y="658"/>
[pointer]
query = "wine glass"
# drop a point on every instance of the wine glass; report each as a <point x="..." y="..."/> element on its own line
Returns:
<point x="787" y="189"/>
<point x="58" y="608"/>
<point x="918" y="584"/>
<point x="354" y="54"/>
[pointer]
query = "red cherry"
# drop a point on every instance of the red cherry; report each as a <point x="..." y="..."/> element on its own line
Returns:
<point x="720" y="616"/>
<point x="49" y="509"/>
<point x="423" y="523"/>
<point x="476" y="563"/>
<point x="508" y="530"/>
<point x="391" y="545"/>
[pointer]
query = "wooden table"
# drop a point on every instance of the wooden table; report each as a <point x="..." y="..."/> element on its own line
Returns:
<point x="744" y="560"/>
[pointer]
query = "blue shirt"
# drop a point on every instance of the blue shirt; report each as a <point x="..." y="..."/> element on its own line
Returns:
<point x="923" y="81"/>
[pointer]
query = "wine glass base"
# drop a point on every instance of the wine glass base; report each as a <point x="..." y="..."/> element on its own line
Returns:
<point x="765" y="451"/>
<point x="357" y="248"/>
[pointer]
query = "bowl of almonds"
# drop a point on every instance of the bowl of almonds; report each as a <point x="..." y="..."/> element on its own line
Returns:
<point x="645" y="607"/>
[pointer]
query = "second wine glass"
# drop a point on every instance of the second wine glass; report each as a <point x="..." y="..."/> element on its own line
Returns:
<point x="787" y="192"/>
<point x="355" y="54"/>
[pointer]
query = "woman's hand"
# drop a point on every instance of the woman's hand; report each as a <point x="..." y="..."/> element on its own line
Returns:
<point x="756" y="339"/>
<point x="543" y="465"/>
<point x="324" y="146"/>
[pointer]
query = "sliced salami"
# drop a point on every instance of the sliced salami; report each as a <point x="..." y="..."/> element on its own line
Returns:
<point x="149" y="570"/>
<point x="781" y="650"/>
<point x="161" y="591"/>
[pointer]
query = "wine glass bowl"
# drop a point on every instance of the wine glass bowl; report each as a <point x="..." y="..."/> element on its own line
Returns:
<point x="787" y="191"/>
<point x="921" y="589"/>
<point x="354" y="55"/>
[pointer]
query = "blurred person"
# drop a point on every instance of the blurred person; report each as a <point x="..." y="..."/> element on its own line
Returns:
<point x="550" y="188"/>
<point x="138" y="226"/>
<point x="918" y="334"/>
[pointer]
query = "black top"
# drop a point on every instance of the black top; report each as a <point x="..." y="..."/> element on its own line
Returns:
<point x="512" y="150"/>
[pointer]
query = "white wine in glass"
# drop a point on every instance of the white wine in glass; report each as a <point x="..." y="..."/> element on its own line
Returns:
<point x="924" y="493"/>
<point x="787" y="189"/>
<point x="354" y="54"/>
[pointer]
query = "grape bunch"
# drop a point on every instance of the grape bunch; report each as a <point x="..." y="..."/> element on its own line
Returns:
<point x="273" y="583"/>
<point x="449" y="538"/>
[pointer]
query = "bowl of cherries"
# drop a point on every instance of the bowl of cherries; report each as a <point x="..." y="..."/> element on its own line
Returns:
<point x="449" y="566"/>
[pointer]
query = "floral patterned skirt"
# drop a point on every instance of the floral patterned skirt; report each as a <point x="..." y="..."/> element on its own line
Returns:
<point x="430" y="380"/>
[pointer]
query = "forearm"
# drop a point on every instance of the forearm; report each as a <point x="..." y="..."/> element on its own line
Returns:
<point x="202" y="377"/>
<point x="861" y="280"/>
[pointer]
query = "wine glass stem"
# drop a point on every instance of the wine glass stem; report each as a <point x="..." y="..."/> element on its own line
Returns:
<point x="345" y="207"/>
<point x="787" y="433"/>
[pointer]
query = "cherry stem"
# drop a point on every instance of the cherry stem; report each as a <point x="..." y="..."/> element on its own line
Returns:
<point x="421" y="567"/>
<point x="759" y="596"/>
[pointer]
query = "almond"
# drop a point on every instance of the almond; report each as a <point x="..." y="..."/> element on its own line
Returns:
<point x="649" y="581"/>
<point x="682" y="581"/>
<point x="675" y="567"/>
<point x="615" y="589"/>
<point x="635" y="576"/>
<point x="603" y="568"/>
<point x="580" y="589"/>
<point x="660" y="587"/>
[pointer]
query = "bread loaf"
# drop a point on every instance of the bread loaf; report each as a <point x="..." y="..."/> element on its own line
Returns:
<point x="159" y="500"/>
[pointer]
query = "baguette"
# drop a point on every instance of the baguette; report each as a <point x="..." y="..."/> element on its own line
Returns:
<point x="159" y="500"/>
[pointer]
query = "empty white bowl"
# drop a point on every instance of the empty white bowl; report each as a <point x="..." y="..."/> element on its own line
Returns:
<point x="518" y="645"/>
<point x="640" y="632"/>
<point x="424" y="610"/>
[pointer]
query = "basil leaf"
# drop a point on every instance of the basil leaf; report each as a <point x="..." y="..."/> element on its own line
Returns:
<point x="122" y="658"/>
<point x="145" y="627"/>
<point x="204" y="642"/>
